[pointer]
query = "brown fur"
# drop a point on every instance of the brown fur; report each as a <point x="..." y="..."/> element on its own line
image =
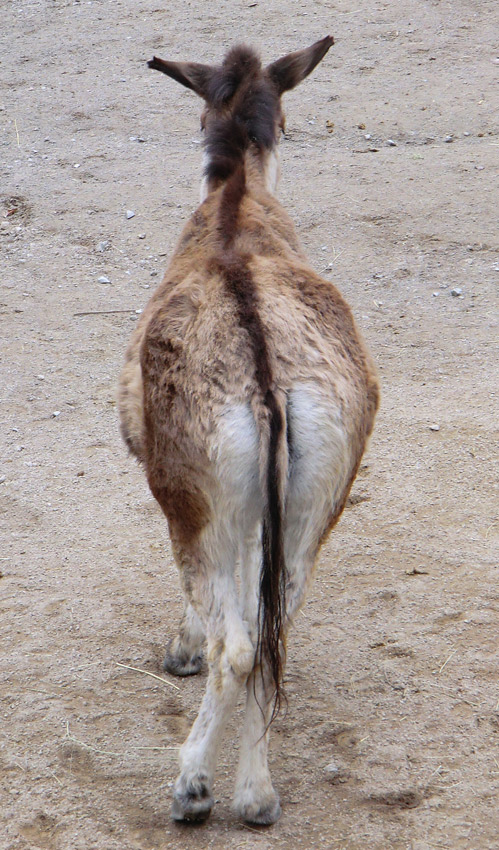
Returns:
<point x="240" y="319"/>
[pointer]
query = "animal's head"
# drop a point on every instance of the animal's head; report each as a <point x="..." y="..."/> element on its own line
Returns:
<point x="243" y="100"/>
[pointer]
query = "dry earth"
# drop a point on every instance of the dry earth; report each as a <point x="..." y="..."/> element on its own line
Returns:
<point x="393" y="663"/>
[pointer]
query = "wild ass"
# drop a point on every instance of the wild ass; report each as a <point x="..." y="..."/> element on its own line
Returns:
<point x="248" y="395"/>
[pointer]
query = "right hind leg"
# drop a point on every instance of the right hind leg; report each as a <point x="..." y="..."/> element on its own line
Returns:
<point x="255" y="799"/>
<point x="184" y="654"/>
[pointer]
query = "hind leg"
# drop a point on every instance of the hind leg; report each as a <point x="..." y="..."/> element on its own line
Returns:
<point x="193" y="798"/>
<point x="230" y="654"/>
<point x="318" y="475"/>
<point x="255" y="799"/>
<point x="184" y="654"/>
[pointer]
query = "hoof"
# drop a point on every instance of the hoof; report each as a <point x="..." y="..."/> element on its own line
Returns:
<point x="181" y="664"/>
<point x="264" y="814"/>
<point x="192" y="805"/>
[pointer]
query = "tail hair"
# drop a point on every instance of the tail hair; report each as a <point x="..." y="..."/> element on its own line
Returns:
<point x="272" y="597"/>
<point x="236" y="272"/>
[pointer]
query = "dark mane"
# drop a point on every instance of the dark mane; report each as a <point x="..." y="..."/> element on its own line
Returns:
<point x="240" y="63"/>
<point x="252" y="109"/>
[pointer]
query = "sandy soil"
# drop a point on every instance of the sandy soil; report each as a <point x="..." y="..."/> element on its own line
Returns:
<point x="393" y="663"/>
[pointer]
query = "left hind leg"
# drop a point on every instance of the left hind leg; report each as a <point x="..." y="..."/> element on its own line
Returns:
<point x="230" y="653"/>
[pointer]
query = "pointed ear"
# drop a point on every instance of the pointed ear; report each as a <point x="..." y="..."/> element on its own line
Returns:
<point x="190" y="74"/>
<point x="287" y="72"/>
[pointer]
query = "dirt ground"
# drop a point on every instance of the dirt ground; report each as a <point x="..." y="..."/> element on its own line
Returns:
<point x="389" y="173"/>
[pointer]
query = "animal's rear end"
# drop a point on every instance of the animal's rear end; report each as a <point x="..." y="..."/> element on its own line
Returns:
<point x="249" y="396"/>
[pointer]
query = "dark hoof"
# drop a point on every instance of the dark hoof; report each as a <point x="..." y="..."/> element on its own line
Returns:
<point x="181" y="664"/>
<point x="190" y="806"/>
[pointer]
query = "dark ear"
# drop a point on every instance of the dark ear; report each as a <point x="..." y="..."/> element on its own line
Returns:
<point x="287" y="72"/>
<point x="190" y="74"/>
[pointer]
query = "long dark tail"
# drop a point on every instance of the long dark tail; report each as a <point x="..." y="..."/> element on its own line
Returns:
<point x="272" y="592"/>
<point x="272" y="599"/>
<point x="236" y="271"/>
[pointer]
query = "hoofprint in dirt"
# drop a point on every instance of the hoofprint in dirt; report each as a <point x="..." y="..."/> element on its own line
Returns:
<point x="393" y="662"/>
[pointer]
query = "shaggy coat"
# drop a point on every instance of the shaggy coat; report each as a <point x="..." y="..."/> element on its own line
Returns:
<point x="248" y="395"/>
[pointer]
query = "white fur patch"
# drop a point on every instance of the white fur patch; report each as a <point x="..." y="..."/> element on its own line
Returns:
<point x="234" y="450"/>
<point x="272" y="171"/>
<point x="203" y="190"/>
<point x="319" y="471"/>
<point x="319" y="441"/>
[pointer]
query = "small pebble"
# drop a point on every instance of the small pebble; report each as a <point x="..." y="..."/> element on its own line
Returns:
<point x="367" y="136"/>
<point x="142" y="235"/>
<point x="449" y="139"/>
<point x="55" y="414"/>
<point x="130" y="213"/>
<point x="102" y="246"/>
<point x="434" y="427"/>
<point x="391" y="143"/>
<point x="103" y="279"/>
<point x="456" y="292"/>
<point x="332" y="769"/>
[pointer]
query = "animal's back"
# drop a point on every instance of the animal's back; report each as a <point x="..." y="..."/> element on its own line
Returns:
<point x="194" y="355"/>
